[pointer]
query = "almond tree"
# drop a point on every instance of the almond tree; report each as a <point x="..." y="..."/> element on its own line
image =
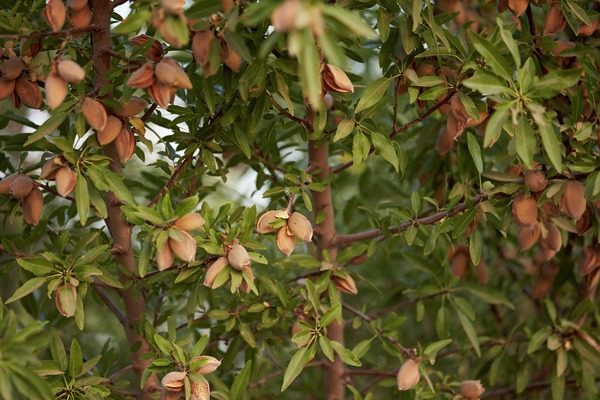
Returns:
<point x="431" y="179"/>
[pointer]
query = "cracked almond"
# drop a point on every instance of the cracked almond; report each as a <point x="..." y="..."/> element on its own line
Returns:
<point x="336" y="80"/>
<point x="238" y="257"/>
<point x="174" y="381"/>
<point x="285" y="242"/>
<point x="201" y="43"/>
<point x="142" y="77"/>
<point x="458" y="109"/>
<point x="345" y="284"/>
<point x="471" y="389"/>
<point x="155" y="52"/>
<point x="555" y="20"/>
<point x="133" y="107"/>
<point x="262" y="226"/>
<point x="209" y="364"/>
<point x="300" y="227"/>
<point x="230" y="57"/>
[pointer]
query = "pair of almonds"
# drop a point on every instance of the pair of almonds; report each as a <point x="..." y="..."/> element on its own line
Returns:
<point x="13" y="83"/>
<point x="237" y="256"/>
<point x="181" y="243"/>
<point x="162" y="80"/>
<point x="174" y="382"/>
<point x="61" y="73"/>
<point x="295" y="225"/>
<point x="58" y="170"/>
<point x="21" y="187"/>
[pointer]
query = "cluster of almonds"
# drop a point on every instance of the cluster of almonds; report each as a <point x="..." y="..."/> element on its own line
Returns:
<point x="55" y="14"/>
<point x="173" y="383"/>
<point x="15" y="84"/>
<point x="202" y="47"/>
<point x="62" y="72"/>
<point x="238" y="258"/>
<point x="21" y="187"/>
<point x="180" y="242"/>
<point x="58" y="170"/>
<point x="115" y="128"/>
<point x="162" y="78"/>
<point x="288" y="226"/>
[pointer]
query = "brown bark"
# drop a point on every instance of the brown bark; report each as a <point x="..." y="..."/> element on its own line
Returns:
<point x="120" y="230"/>
<point x="326" y="233"/>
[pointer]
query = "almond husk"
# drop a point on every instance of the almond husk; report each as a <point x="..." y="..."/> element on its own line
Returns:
<point x="528" y="237"/>
<point x="186" y="249"/>
<point x="555" y="20"/>
<point x="408" y="375"/>
<point x="142" y="77"/>
<point x="573" y="200"/>
<point x="483" y="115"/>
<point x="458" y="109"/>
<point x="190" y="222"/>
<point x="56" y="90"/>
<point x="300" y="227"/>
<point x="165" y="73"/>
<point x="336" y="80"/>
<point x="471" y="389"/>
<point x="165" y="257"/>
<point x="345" y="284"/>
<point x="201" y="391"/>
<point x="238" y="257"/>
<point x="30" y="47"/>
<point x="29" y="92"/>
<point x="201" y="43"/>
<point x="584" y="223"/>
<point x="111" y="131"/>
<point x="7" y="86"/>
<point x="460" y="262"/>
<point x="6" y="182"/>
<point x="133" y="107"/>
<point x="125" y="144"/>
<point x="552" y="243"/>
<point x="66" y="300"/>
<point x="81" y="18"/>
<point x="182" y="80"/>
<point x="161" y="94"/>
<point x="20" y="187"/>
<point x="155" y="52"/>
<point x="284" y="16"/>
<point x="588" y="30"/>
<point x="70" y="71"/>
<point x="262" y="226"/>
<point x="445" y="142"/>
<point x="77" y="4"/>
<point x="16" y="100"/>
<point x="535" y="181"/>
<point x="65" y="181"/>
<point x="589" y="262"/>
<point x="32" y="206"/>
<point x="483" y="273"/>
<point x="174" y="381"/>
<point x="454" y="126"/>
<point x="11" y="69"/>
<point x="94" y="113"/>
<point x="525" y="210"/>
<point x="518" y="7"/>
<point x="211" y="364"/>
<point x="213" y="271"/>
<point x="230" y="57"/>
<point x="285" y="242"/>
<point x="55" y="14"/>
<point x="49" y="169"/>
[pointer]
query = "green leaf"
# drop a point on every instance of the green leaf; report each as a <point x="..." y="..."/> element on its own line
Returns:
<point x="26" y="288"/>
<point x="203" y="8"/>
<point x="335" y="312"/>
<point x="432" y="349"/>
<point x="50" y="125"/>
<point x="76" y="359"/>
<point x="133" y="22"/>
<point x="492" y="56"/>
<point x="360" y="148"/>
<point x="475" y="246"/>
<point x="491" y="296"/>
<point x="345" y="354"/>
<point x="373" y="94"/>
<point x="295" y="367"/>
<point x="385" y="147"/>
<point x="82" y="198"/>
<point x="525" y="142"/>
<point x="551" y="143"/>
<point x="538" y="339"/>
<point x="238" y="388"/>
<point x="494" y="126"/>
<point x="487" y="83"/>
<point x="344" y="128"/>
<point x="351" y="20"/>
<point x="475" y="151"/>
<point x="37" y="266"/>
<point x="470" y="331"/>
<point x="554" y="82"/>
<point x="309" y="61"/>
<point x="247" y="335"/>
<point x="509" y="41"/>
<point x="326" y="347"/>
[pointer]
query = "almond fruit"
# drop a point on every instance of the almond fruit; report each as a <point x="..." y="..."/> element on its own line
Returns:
<point x="262" y="226"/>
<point x="454" y="126"/>
<point x="458" y="109"/>
<point x="214" y="270"/>
<point x="528" y="237"/>
<point x="190" y="222"/>
<point x="165" y="73"/>
<point x="133" y="107"/>
<point x="20" y="186"/>
<point x="201" y="43"/>
<point x="6" y="182"/>
<point x="55" y="14"/>
<point x="142" y="77"/>
<point x="285" y="242"/>
<point x="65" y="181"/>
<point x="81" y="18"/>
<point x="518" y="7"/>
<point x="155" y="52"/>
<point x="173" y="6"/>
<point x="555" y="20"/>
<point x="70" y="71"/>
<point x="56" y="90"/>
<point x="471" y="389"/>
<point x="284" y="15"/>
<point x="30" y="47"/>
<point x="160" y="94"/>
<point x="174" y="381"/>
<point x="94" y="113"/>
<point x="207" y="364"/>
<point x="201" y="391"/>
<point x="238" y="257"/>
<point x="32" y="206"/>
<point x="300" y="227"/>
<point x="525" y="210"/>
<point x="66" y="300"/>
<point x="573" y="200"/>
<point x="7" y="86"/>
<point x="552" y="243"/>
<point x="535" y="181"/>
<point x="445" y="142"/>
<point x="182" y="80"/>
<point x="125" y="144"/>
<point x="345" y="284"/>
<point x="77" y="4"/>
<point x="584" y="223"/>
<point x="230" y="57"/>
<point x="336" y="80"/>
<point x="588" y="30"/>
<point x="408" y="375"/>
<point x="11" y="68"/>
<point x="111" y="131"/>
<point x="186" y="249"/>
<point x="29" y="92"/>
<point x="164" y="257"/>
<point x="460" y="262"/>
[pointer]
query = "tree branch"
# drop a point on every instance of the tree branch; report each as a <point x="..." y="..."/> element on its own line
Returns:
<point x="88" y="28"/>
<point x="172" y="180"/>
<point x="110" y="304"/>
<point x="399" y="129"/>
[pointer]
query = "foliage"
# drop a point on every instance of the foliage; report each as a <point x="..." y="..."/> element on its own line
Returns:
<point x="430" y="171"/>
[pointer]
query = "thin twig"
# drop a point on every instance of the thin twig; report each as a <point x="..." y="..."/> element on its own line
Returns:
<point x="399" y="129"/>
<point x="112" y="306"/>
<point x="407" y="303"/>
<point x="172" y="180"/>
<point x="275" y="374"/>
<point x="88" y="28"/>
<point x="531" y="387"/>
<point x="111" y="379"/>
<point x="118" y="55"/>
